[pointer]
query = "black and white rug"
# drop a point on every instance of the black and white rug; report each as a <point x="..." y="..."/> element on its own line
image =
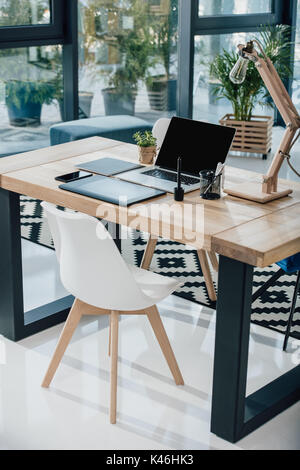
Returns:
<point x="271" y="310"/>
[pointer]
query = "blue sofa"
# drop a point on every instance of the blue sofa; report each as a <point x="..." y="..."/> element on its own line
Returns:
<point x="120" y="127"/>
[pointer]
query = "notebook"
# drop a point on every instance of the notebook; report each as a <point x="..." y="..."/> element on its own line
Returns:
<point x="108" y="166"/>
<point x="112" y="190"/>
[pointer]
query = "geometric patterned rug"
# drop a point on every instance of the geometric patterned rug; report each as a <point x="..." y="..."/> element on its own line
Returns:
<point x="271" y="310"/>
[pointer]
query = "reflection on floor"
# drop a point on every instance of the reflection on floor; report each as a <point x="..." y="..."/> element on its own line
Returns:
<point x="153" y="413"/>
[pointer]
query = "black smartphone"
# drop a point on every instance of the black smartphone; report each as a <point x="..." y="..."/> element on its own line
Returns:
<point x="76" y="175"/>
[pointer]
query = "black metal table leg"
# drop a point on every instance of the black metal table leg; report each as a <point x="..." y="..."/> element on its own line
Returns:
<point x="115" y="231"/>
<point x="15" y="324"/>
<point x="11" y="284"/>
<point x="118" y="238"/>
<point x="292" y="311"/>
<point x="233" y="414"/>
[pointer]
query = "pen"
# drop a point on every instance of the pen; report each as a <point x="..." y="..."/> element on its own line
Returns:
<point x="219" y="171"/>
<point x="179" y="172"/>
<point x="179" y="191"/>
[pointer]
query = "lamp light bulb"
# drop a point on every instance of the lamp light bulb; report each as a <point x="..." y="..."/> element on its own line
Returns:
<point x="239" y="71"/>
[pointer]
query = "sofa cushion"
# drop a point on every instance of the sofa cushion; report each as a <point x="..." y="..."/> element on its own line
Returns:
<point x="112" y="127"/>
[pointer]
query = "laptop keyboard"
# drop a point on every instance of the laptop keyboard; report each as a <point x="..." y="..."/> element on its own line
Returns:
<point x="167" y="175"/>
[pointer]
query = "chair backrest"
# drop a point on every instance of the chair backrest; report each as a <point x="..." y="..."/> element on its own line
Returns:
<point x="159" y="130"/>
<point x="91" y="266"/>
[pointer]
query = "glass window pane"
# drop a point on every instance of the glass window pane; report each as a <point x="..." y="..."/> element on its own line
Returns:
<point x="24" y="12"/>
<point x="30" y="97"/>
<point x="128" y="57"/>
<point x="206" y="106"/>
<point x="296" y="81"/>
<point x="233" y="7"/>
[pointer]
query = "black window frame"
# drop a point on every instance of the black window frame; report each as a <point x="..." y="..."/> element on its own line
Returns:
<point x="36" y="35"/>
<point x="191" y="25"/>
<point x="245" y="20"/>
<point x="62" y="30"/>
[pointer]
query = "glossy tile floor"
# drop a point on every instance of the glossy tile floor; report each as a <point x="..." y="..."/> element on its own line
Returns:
<point x="153" y="413"/>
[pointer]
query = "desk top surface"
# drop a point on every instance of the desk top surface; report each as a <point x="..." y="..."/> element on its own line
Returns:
<point x="258" y="234"/>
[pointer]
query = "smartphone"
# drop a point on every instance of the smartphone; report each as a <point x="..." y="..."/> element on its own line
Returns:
<point x="76" y="175"/>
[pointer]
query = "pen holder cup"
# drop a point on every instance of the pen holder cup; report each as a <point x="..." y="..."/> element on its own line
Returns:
<point x="210" y="185"/>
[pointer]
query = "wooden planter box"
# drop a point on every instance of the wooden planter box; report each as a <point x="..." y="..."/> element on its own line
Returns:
<point x="253" y="136"/>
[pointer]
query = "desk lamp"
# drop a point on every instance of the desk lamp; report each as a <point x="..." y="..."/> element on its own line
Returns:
<point x="268" y="189"/>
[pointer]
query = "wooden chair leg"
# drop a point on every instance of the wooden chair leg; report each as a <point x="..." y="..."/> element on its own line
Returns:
<point x="149" y="252"/>
<point x="207" y="275"/>
<point x="162" y="338"/>
<point x="65" y="337"/>
<point x="114" y="366"/>
<point x="109" y="337"/>
<point x="214" y="260"/>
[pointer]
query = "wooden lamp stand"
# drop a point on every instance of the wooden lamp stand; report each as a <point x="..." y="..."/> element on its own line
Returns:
<point x="268" y="190"/>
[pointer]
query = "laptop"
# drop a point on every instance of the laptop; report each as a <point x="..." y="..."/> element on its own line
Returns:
<point x="200" y="145"/>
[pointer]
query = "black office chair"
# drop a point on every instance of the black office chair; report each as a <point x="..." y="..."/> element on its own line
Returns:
<point x="289" y="265"/>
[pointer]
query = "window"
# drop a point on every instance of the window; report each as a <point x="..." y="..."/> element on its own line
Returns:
<point x="31" y="72"/>
<point x="207" y="27"/>
<point x="128" y="57"/>
<point x="31" y="92"/>
<point x="24" y="12"/>
<point x="296" y="81"/>
<point x="233" y="7"/>
<point x="205" y="105"/>
<point x="24" y="21"/>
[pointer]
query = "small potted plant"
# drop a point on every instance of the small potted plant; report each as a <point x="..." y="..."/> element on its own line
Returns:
<point x="146" y="143"/>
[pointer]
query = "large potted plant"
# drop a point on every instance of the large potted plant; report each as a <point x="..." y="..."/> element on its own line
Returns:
<point x="130" y="42"/>
<point x="24" y="100"/>
<point x="254" y="133"/>
<point x="85" y="98"/>
<point x="162" y="87"/>
<point x="27" y="87"/>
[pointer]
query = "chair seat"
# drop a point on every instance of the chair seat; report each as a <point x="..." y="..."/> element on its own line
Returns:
<point x="291" y="264"/>
<point x="154" y="286"/>
<point x="111" y="127"/>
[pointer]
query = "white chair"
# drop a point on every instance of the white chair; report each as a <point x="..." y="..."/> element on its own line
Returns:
<point x="159" y="130"/>
<point x="93" y="270"/>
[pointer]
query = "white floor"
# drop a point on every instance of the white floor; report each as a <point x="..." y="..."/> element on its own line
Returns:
<point x="153" y="413"/>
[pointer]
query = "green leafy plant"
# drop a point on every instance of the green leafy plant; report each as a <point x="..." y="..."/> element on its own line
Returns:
<point x="164" y="37"/>
<point x="275" y="41"/>
<point x="144" y="139"/>
<point x="29" y="80"/>
<point x="20" y="92"/>
<point x="167" y="36"/>
<point x="130" y="46"/>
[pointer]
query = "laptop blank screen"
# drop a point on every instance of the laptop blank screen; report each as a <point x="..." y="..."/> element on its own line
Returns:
<point x="200" y="145"/>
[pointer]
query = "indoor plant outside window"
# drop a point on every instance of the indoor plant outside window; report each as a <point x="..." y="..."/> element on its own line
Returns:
<point x="126" y="34"/>
<point x="162" y="87"/>
<point x="254" y="132"/>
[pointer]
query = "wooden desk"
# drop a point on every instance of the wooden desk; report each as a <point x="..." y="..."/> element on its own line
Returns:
<point x="244" y="233"/>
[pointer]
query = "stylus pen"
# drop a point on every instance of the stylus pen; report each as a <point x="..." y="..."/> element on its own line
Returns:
<point x="179" y="191"/>
<point x="179" y="172"/>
